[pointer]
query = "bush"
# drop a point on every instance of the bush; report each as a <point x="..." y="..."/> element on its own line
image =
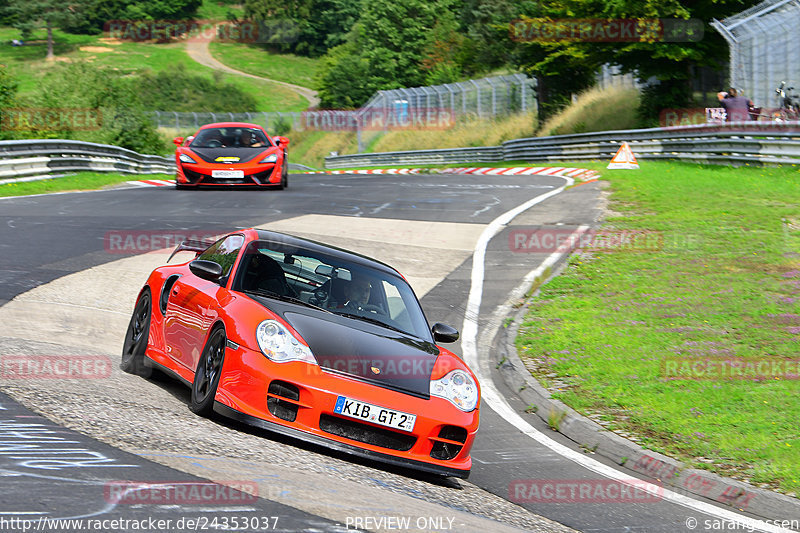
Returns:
<point x="281" y="126"/>
<point x="8" y="92"/>
<point x="79" y="86"/>
<point x="179" y="90"/>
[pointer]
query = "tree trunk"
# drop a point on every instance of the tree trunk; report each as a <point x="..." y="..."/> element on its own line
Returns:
<point x="50" y="55"/>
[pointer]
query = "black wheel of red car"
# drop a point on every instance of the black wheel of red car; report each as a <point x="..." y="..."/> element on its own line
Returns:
<point x="285" y="177"/>
<point x="137" y="335"/>
<point x="206" y="377"/>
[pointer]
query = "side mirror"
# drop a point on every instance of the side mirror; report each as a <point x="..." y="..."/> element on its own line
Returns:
<point x="283" y="142"/>
<point x="444" y="333"/>
<point x="208" y="270"/>
<point x="177" y="141"/>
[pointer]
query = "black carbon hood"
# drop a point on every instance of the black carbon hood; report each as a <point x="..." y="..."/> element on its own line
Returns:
<point x="370" y="353"/>
<point x="210" y="155"/>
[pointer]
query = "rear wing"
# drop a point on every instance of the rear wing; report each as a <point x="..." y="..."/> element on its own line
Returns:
<point x="191" y="245"/>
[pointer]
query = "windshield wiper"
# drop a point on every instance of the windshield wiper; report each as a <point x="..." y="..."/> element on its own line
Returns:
<point x="372" y="321"/>
<point x="285" y="298"/>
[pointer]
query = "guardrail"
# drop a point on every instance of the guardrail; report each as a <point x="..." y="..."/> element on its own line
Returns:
<point x="39" y="157"/>
<point x="735" y="143"/>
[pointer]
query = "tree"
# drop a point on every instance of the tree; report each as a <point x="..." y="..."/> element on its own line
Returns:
<point x="100" y="12"/>
<point x="442" y="53"/>
<point x="668" y="63"/>
<point x="388" y="45"/>
<point x="305" y="27"/>
<point x="29" y="15"/>
<point x="484" y="25"/>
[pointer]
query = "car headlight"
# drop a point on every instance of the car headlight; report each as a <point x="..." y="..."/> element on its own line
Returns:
<point x="271" y="158"/>
<point x="457" y="387"/>
<point x="186" y="159"/>
<point x="279" y="345"/>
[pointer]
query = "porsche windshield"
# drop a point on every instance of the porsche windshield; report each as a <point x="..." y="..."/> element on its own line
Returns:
<point x="333" y="284"/>
<point x="230" y="137"/>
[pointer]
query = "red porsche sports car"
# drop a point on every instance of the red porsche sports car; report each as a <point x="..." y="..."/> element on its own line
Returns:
<point x="310" y="341"/>
<point x="231" y="153"/>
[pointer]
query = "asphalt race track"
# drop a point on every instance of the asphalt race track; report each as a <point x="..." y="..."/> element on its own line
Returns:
<point x="70" y="267"/>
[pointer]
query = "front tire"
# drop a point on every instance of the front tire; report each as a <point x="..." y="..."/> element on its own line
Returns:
<point x="137" y="336"/>
<point x="206" y="377"/>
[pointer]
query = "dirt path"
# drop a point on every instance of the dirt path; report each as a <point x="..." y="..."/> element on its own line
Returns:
<point x="198" y="51"/>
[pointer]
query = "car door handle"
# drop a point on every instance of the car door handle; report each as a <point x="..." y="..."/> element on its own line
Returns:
<point x="175" y="291"/>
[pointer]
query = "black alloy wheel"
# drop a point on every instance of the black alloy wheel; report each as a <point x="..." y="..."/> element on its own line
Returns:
<point x="206" y="377"/>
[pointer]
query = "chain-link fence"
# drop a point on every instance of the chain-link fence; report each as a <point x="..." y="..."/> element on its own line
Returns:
<point x="486" y="97"/>
<point x="764" y="47"/>
<point x="483" y="98"/>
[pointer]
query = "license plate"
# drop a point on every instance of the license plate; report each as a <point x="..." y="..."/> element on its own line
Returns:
<point x="375" y="414"/>
<point x="227" y="173"/>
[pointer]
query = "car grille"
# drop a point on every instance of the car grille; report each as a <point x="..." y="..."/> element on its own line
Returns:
<point x="365" y="433"/>
<point x="281" y="398"/>
<point x="446" y="446"/>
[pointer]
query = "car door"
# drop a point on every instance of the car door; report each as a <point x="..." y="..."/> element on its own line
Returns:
<point x="193" y="304"/>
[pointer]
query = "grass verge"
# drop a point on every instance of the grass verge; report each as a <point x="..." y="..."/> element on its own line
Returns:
<point x="257" y="60"/>
<point x="82" y="181"/>
<point x="596" y="110"/>
<point x="310" y="147"/>
<point x="720" y="277"/>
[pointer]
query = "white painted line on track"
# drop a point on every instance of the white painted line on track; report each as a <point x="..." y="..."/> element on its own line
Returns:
<point x="499" y="405"/>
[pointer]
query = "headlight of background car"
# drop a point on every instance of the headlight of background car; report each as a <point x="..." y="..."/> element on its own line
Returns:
<point x="272" y="158"/>
<point x="279" y="345"/>
<point x="457" y="387"/>
<point x="186" y="159"/>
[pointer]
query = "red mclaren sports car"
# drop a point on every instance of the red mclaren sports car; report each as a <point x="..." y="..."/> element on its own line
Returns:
<point x="231" y="153"/>
<point x="311" y="341"/>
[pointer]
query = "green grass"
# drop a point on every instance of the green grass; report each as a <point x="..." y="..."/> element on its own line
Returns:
<point x="219" y="10"/>
<point x="723" y="279"/>
<point x="82" y="181"/>
<point x="27" y="64"/>
<point x="257" y="60"/>
<point x="596" y="110"/>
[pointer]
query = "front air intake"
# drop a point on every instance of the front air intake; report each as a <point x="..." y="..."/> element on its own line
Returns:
<point x="449" y="443"/>
<point x="281" y="400"/>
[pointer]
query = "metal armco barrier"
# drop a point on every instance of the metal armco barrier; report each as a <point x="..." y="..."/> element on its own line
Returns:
<point x="755" y="143"/>
<point x="40" y="157"/>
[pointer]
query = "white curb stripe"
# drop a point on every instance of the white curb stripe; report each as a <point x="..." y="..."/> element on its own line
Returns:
<point x="498" y="403"/>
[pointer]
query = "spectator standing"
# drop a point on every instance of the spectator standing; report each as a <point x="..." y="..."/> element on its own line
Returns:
<point x="736" y="107"/>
